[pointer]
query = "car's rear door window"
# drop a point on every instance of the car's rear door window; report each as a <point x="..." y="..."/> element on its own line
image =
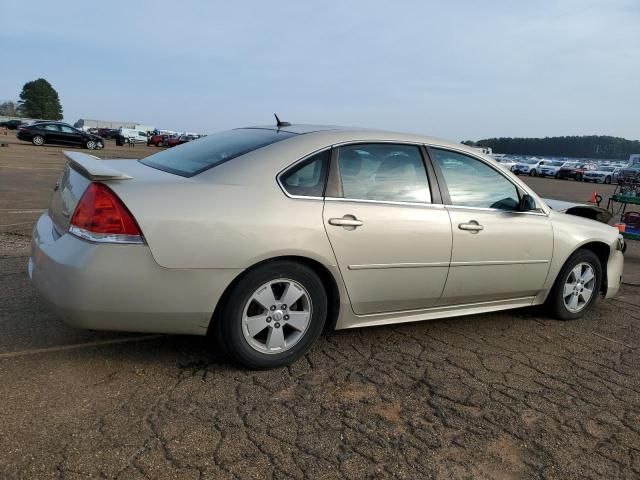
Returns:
<point x="52" y="127"/>
<point x="383" y="172"/>
<point x="307" y="178"/>
<point x="194" y="157"/>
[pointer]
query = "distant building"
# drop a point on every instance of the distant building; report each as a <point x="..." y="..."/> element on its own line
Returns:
<point x="85" y="123"/>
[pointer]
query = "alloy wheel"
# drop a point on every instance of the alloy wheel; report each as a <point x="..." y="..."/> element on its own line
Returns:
<point x="579" y="287"/>
<point x="276" y="316"/>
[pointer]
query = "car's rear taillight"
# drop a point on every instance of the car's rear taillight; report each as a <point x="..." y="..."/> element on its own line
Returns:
<point x="100" y="216"/>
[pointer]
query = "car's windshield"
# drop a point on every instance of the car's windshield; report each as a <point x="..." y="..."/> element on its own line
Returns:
<point x="530" y="161"/>
<point x="607" y="169"/>
<point x="196" y="156"/>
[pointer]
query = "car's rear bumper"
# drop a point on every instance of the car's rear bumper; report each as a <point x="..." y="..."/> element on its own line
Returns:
<point x="121" y="287"/>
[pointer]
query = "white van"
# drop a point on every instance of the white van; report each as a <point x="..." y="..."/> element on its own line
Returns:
<point x="129" y="135"/>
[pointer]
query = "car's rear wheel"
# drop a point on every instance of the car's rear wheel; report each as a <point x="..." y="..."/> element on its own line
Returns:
<point x="577" y="286"/>
<point x="557" y="176"/>
<point x="578" y="177"/>
<point x="91" y="144"/>
<point x="158" y="144"/>
<point x="273" y="315"/>
<point x="38" y="140"/>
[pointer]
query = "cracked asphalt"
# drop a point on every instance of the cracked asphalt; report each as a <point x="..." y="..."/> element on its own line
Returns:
<point x="504" y="395"/>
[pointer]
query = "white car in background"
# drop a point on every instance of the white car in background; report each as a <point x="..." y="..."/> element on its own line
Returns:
<point x="550" y="168"/>
<point x="507" y="163"/>
<point x="130" y="135"/>
<point x="528" y="166"/>
<point x="603" y="174"/>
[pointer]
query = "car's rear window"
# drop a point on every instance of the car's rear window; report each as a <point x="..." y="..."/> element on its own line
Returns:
<point x="199" y="155"/>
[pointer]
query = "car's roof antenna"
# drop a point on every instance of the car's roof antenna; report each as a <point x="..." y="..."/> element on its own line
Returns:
<point x="280" y="123"/>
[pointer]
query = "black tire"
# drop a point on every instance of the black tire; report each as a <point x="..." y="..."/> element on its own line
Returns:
<point x="578" y="177"/>
<point x="533" y="173"/>
<point x="38" y="140"/>
<point x="158" y="144"/>
<point x="91" y="144"/>
<point x="555" y="301"/>
<point x="557" y="176"/>
<point x="607" y="180"/>
<point x="229" y="327"/>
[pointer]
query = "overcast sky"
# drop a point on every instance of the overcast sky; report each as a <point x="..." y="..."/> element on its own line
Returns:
<point x="460" y="69"/>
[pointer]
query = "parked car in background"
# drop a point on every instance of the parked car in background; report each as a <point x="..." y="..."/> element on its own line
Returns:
<point x="108" y="133"/>
<point x="507" y="163"/>
<point x="171" y="141"/>
<point x="59" y="133"/>
<point x="550" y="168"/>
<point x="12" y="124"/>
<point x="264" y="237"/>
<point x="129" y="135"/>
<point x="157" y="140"/>
<point x="604" y="174"/>
<point x="527" y="166"/>
<point x="575" y="170"/>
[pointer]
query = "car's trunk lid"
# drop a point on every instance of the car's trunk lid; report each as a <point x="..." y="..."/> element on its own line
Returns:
<point x="82" y="169"/>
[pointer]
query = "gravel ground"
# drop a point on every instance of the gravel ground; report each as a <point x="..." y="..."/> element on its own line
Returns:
<point x="504" y="395"/>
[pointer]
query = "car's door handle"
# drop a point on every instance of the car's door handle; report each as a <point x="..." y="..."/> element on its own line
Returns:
<point x="472" y="226"/>
<point x="346" y="221"/>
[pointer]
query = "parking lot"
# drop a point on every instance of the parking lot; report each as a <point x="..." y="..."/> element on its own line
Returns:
<point x="502" y="395"/>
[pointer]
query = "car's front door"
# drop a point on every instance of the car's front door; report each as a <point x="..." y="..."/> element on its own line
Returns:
<point x="390" y="234"/>
<point x="70" y="136"/>
<point x="499" y="252"/>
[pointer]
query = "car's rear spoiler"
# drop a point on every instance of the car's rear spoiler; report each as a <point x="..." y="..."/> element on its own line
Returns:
<point x="93" y="168"/>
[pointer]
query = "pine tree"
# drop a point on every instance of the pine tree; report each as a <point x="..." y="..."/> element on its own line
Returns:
<point x="39" y="99"/>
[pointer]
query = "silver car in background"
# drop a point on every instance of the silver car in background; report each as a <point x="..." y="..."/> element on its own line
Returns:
<point x="266" y="236"/>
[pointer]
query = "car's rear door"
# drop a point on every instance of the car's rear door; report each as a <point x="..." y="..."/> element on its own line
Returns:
<point x="51" y="133"/>
<point x="386" y="225"/>
<point x="499" y="252"/>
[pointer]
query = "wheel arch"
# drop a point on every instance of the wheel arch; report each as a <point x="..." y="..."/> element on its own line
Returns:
<point x="325" y="275"/>
<point x="601" y="250"/>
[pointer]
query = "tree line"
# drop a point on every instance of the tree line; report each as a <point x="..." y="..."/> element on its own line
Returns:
<point x="38" y="99"/>
<point x="589" y="146"/>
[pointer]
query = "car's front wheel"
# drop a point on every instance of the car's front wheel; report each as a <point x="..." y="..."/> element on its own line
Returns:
<point x="273" y="315"/>
<point x="533" y="173"/>
<point x="91" y="144"/>
<point x="578" y="177"/>
<point x="577" y="286"/>
<point x="38" y="140"/>
<point x="607" y="180"/>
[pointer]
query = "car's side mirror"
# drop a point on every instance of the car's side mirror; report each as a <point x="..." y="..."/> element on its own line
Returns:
<point x="527" y="203"/>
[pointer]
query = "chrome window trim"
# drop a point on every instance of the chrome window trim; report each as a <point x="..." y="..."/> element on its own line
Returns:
<point x="292" y="165"/>
<point x="385" y="202"/>
<point x="538" y="211"/>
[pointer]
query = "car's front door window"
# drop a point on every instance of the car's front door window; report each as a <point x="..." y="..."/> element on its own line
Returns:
<point x="383" y="172"/>
<point x="472" y="183"/>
